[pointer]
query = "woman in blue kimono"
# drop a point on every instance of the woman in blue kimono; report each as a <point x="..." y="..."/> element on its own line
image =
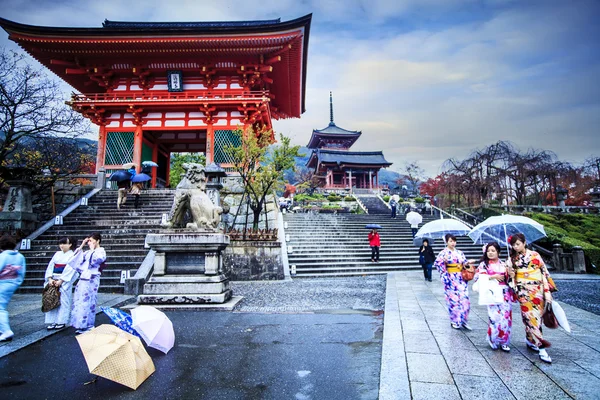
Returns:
<point x="88" y="264"/>
<point x="63" y="277"/>
<point x="12" y="273"/>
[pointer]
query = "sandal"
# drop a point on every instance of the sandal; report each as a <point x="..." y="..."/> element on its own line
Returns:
<point x="59" y="326"/>
<point x="51" y="327"/>
<point x="505" y="348"/>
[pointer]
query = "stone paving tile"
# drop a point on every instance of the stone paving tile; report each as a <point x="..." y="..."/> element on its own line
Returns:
<point x="482" y="387"/>
<point x="467" y="362"/>
<point x="433" y="391"/>
<point x="420" y="342"/>
<point x="429" y="368"/>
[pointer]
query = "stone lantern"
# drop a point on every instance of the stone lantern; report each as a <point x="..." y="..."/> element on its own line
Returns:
<point x="214" y="173"/>
<point x="561" y="195"/>
<point x="17" y="213"/>
<point x="595" y="193"/>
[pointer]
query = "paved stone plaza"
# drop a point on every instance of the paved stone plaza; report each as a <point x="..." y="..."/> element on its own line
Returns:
<point x="418" y="356"/>
<point x="424" y="358"/>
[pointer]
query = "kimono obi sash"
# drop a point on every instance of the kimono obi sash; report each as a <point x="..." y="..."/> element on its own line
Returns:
<point x="529" y="274"/>
<point x="9" y="272"/>
<point x="453" y="268"/>
<point x="59" y="268"/>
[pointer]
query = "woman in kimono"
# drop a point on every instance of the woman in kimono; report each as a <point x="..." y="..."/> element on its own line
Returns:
<point x="450" y="263"/>
<point x="533" y="285"/>
<point x="59" y="275"/>
<point x="12" y="274"/>
<point x="500" y="315"/>
<point x="87" y="264"/>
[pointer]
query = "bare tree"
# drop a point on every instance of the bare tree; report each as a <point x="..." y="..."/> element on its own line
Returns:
<point x="413" y="174"/>
<point x="31" y="108"/>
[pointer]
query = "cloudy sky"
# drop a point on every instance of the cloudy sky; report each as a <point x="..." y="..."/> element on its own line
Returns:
<point x="424" y="80"/>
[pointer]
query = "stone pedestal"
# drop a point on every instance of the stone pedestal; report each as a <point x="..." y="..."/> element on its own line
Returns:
<point x="188" y="269"/>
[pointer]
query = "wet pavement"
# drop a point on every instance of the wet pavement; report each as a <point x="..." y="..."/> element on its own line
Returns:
<point x="220" y="355"/>
<point x="424" y="358"/>
<point x="322" y="339"/>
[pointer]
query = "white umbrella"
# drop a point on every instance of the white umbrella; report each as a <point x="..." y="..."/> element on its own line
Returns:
<point x="440" y="227"/>
<point x="414" y="218"/>
<point x="154" y="327"/>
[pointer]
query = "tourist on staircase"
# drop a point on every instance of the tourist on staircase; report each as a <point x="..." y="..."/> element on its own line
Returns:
<point x="89" y="264"/>
<point x="393" y="205"/>
<point x="500" y="315"/>
<point x="136" y="190"/>
<point x="426" y="259"/>
<point x="375" y="243"/>
<point x="533" y="285"/>
<point x="12" y="273"/>
<point x="123" y="188"/>
<point x="58" y="275"/>
<point x="450" y="262"/>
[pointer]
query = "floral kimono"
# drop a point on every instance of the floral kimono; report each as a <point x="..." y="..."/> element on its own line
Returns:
<point x="449" y="264"/>
<point x="500" y="315"/>
<point x="88" y="265"/>
<point x="57" y="269"/>
<point x="532" y="284"/>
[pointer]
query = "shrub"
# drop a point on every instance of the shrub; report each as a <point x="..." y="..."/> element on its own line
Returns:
<point x="386" y="198"/>
<point x="419" y="200"/>
<point x="334" y="197"/>
<point x="332" y="207"/>
<point x="349" y="198"/>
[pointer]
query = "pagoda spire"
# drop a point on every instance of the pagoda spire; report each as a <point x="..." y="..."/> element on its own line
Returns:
<point x="331" y="110"/>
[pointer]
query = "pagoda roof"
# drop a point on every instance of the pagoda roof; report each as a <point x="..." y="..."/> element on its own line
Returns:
<point x="347" y="158"/>
<point x="117" y="48"/>
<point x="332" y="134"/>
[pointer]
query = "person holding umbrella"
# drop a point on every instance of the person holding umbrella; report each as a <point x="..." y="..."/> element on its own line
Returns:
<point x="414" y="219"/>
<point x="450" y="262"/>
<point x="375" y="243"/>
<point x="500" y="315"/>
<point x="533" y="285"/>
<point x="426" y="259"/>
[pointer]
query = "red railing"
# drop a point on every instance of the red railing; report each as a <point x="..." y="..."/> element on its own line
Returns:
<point x="188" y="95"/>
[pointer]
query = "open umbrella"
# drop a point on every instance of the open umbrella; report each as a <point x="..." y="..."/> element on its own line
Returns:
<point x="149" y="164"/>
<point x="418" y="241"/>
<point x="116" y="355"/>
<point x="414" y="218"/>
<point x="141" y="177"/>
<point x="373" y="226"/>
<point x="121" y="319"/>
<point x="441" y="227"/>
<point x="154" y="327"/>
<point x="119" y="176"/>
<point x="499" y="228"/>
<point x="128" y="165"/>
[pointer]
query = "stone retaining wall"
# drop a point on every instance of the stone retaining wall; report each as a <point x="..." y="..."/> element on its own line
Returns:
<point x="246" y="261"/>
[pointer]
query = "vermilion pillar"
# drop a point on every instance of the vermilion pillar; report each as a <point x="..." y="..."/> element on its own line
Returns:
<point x="101" y="148"/>
<point x="210" y="144"/>
<point x="155" y="159"/>
<point x="137" y="147"/>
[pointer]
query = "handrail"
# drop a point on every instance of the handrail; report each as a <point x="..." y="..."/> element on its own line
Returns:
<point x="360" y="203"/>
<point x="442" y="212"/>
<point x="63" y="214"/>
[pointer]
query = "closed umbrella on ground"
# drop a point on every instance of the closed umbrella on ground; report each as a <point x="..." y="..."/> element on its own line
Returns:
<point x="116" y="355"/>
<point x="121" y="319"/>
<point x="154" y="327"/>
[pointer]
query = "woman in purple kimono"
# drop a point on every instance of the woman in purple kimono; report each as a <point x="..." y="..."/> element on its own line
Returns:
<point x="88" y="264"/>
<point x="450" y="263"/>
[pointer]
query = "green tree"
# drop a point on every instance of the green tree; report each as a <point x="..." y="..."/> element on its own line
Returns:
<point x="177" y="161"/>
<point x="260" y="165"/>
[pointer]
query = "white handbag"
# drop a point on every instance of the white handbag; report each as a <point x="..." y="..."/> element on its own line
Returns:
<point x="490" y="291"/>
<point x="561" y="317"/>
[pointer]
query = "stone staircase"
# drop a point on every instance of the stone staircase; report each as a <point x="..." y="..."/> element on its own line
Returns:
<point x="374" y="204"/>
<point x="123" y="233"/>
<point x="336" y="245"/>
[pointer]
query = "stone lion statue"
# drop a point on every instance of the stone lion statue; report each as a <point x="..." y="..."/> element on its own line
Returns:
<point x="190" y="195"/>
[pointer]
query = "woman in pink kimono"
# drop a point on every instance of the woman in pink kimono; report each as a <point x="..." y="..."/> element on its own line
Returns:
<point x="88" y="264"/>
<point x="500" y="315"/>
<point x="531" y="282"/>
<point x="450" y="263"/>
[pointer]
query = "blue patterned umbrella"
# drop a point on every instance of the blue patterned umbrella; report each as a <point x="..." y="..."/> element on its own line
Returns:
<point x="121" y="319"/>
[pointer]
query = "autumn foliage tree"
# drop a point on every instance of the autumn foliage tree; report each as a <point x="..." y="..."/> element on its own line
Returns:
<point x="261" y="165"/>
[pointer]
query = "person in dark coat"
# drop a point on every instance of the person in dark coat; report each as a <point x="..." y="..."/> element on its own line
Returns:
<point x="426" y="259"/>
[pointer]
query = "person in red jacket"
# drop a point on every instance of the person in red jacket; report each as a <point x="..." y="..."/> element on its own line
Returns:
<point x="375" y="243"/>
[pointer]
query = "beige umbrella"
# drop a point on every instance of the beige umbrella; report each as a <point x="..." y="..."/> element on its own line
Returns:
<point x="128" y="165"/>
<point x="116" y="355"/>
